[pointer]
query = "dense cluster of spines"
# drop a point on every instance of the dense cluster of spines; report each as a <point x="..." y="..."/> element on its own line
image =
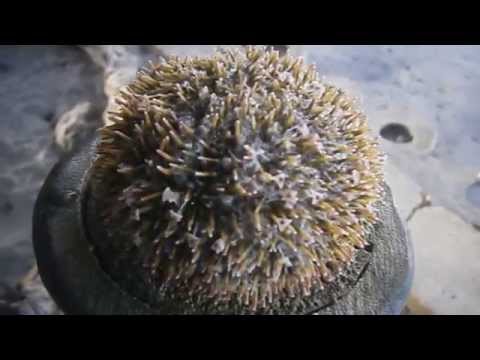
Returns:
<point x="241" y="177"/>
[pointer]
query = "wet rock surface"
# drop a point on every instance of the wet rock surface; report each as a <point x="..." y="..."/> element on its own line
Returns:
<point x="37" y="85"/>
<point x="430" y="90"/>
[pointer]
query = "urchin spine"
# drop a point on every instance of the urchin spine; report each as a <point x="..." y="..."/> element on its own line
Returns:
<point x="238" y="178"/>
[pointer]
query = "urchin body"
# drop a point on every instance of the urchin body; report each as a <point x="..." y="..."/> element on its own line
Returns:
<point x="238" y="182"/>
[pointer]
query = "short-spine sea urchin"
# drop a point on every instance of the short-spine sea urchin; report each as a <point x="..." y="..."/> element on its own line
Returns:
<point x="239" y="181"/>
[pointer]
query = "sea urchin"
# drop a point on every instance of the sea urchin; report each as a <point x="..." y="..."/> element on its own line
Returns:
<point x="240" y="181"/>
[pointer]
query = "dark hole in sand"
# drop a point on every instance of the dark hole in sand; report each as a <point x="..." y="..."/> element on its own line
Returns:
<point x="6" y="207"/>
<point x="473" y="194"/>
<point x="4" y="68"/>
<point x="396" y="133"/>
<point x="48" y="117"/>
<point x="369" y="247"/>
